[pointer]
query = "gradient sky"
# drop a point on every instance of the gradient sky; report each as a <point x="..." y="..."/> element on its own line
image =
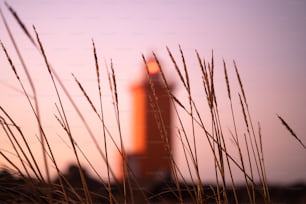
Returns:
<point x="266" y="38"/>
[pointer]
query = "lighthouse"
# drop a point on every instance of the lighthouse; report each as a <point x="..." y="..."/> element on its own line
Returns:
<point x="150" y="158"/>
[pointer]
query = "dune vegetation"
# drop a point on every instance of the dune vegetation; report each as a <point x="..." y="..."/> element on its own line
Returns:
<point x="27" y="183"/>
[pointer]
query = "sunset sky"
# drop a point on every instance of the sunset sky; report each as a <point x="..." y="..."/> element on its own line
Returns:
<point x="267" y="39"/>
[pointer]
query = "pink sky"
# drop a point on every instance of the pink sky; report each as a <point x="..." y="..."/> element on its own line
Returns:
<point x="267" y="40"/>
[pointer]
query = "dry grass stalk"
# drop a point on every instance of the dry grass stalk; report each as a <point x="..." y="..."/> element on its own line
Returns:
<point x="235" y="128"/>
<point x="24" y="91"/>
<point x="19" y="21"/>
<point x="102" y="118"/>
<point x="113" y="88"/>
<point x="244" y="169"/>
<point x="88" y="198"/>
<point x="291" y="131"/>
<point x="153" y="99"/>
<point x="174" y="99"/>
<point x="188" y="89"/>
<point x="86" y="96"/>
<point x="257" y="154"/>
<point x="29" y="78"/>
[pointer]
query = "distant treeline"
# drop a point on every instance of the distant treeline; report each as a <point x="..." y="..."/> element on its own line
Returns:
<point x="15" y="189"/>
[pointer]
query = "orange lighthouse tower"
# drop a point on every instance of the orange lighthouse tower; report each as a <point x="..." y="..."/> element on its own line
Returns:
<point x="150" y="159"/>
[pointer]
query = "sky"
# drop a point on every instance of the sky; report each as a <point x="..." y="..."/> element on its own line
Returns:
<point x="267" y="39"/>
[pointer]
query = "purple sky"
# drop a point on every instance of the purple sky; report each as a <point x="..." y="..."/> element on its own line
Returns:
<point x="267" y="40"/>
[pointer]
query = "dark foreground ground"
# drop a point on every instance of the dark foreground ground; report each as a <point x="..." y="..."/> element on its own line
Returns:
<point x="26" y="190"/>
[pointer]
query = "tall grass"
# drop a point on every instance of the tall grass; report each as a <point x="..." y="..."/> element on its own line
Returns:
<point x="248" y="144"/>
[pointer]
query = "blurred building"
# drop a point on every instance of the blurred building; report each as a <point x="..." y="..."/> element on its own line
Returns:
<point x="150" y="158"/>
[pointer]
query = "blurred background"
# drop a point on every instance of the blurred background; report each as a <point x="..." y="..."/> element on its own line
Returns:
<point x="266" y="39"/>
